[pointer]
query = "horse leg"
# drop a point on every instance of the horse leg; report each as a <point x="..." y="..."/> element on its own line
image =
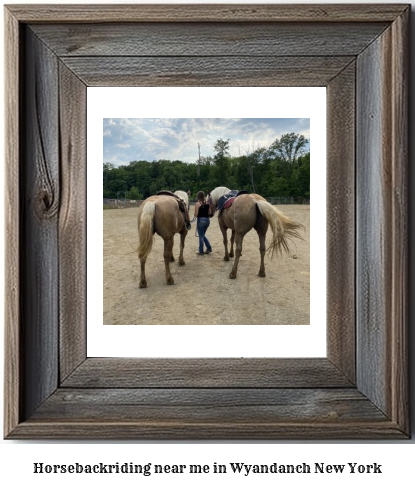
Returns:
<point x="143" y="281"/>
<point x="261" y="227"/>
<point x="183" y="235"/>
<point x="168" y="246"/>
<point x="232" y="241"/>
<point x="261" y="271"/>
<point x="172" y="256"/>
<point x="225" y="239"/>
<point x="238" y="245"/>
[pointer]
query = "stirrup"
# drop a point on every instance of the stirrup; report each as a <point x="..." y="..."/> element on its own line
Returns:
<point x="188" y="226"/>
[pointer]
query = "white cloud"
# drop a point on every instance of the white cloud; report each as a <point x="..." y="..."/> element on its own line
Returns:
<point x="177" y="138"/>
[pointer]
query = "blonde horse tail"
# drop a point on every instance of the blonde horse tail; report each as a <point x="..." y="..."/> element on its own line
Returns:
<point x="145" y="230"/>
<point x="283" y="228"/>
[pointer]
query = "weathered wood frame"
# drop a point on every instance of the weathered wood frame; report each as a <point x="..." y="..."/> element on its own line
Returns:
<point x="359" y="52"/>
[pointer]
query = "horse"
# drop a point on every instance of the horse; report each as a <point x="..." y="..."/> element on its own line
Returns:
<point x="253" y="211"/>
<point x="184" y="196"/>
<point x="161" y="214"/>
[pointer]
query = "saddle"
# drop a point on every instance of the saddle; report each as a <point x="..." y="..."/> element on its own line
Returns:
<point x="182" y="206"/>
<point x="227" y="200"/>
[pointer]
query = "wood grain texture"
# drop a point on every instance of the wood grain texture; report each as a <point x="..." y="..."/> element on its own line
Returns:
<point x="372" y="304"/>
<point x="72" y="222"/>
<point x="40" y="205"/>
<point x="12" y="371"/>
<point x="236" y="39"/>
<point x="207" y="71"/>
<point x="188" y="430"/>
<point x="207" y="13"/>
<point x="341" y="237"/>
<point x="206" y="373"/>
<point x="400" y="262"/>
<point x="209" y="405"/>
<point x="382" y="223"/>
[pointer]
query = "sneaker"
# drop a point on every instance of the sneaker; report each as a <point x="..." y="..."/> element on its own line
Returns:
<point x="199" y="254"/>
<point x="208" y="251"/>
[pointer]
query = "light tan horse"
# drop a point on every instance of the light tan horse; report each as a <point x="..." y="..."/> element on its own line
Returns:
<point x="253" y="211"/>
<point x="184" y="196"/>
<point x="160" y="214"/>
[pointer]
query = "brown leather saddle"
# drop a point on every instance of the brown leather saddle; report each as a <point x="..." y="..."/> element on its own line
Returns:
<point x="182" y="206"/>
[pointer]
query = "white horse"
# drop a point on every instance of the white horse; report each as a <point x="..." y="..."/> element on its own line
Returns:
<point x="253" y="211"/>
<point x="184" y="196"/>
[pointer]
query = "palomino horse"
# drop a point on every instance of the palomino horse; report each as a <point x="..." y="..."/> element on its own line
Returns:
<point x="253" y="211"/>
<point x="163" y="215"/>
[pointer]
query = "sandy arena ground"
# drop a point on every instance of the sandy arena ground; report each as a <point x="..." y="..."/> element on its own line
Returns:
<point x="203" y="294"/>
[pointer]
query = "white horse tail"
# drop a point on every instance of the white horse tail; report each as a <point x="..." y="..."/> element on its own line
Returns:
<point x="283" y="228"/>
<point x="145" y="230"/>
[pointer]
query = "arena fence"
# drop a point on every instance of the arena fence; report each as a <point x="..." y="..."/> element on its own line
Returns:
<point x="118" y="203"/>
<point x="288" y="200"/>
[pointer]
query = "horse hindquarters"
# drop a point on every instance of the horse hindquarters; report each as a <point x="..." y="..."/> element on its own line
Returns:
<point x="283" y="228"/>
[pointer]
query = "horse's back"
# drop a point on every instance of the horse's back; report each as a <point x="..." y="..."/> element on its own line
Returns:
<point x="168" y="219"/>
<point x="242" y="215"/>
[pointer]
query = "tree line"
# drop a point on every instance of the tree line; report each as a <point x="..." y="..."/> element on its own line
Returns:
<point x="280" y="170"/>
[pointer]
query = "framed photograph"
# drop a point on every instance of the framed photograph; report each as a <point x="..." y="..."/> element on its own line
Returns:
<point x="53" y="388"/>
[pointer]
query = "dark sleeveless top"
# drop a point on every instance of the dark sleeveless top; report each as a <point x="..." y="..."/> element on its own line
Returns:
<point x="203" y="211"/>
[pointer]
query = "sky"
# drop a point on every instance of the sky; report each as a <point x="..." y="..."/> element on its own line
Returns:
<point x="127" y="140"/>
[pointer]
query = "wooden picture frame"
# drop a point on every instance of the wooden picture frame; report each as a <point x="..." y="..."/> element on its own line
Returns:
<point x="360" y="53"/>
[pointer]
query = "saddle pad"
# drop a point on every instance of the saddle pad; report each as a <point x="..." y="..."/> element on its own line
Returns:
<point x="222" y="200"/>
<point x="229" y="202"/>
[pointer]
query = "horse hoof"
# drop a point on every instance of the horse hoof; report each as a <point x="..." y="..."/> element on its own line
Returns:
<point x="226" y="258"/>
<point x="170" y="282"/>
<point x="172" y="259"/>
<point x="142" y="284"/>
<point x="232" y="276"/>
<point x="181" y="262"/>
<point x="231" y="255"/>
<point x="262" y="274"/>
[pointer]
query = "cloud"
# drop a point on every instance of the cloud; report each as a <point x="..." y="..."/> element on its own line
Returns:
<point x="127" y="140"/>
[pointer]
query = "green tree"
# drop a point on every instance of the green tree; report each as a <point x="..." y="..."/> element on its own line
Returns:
<point x="108" y="167"/>
<point x="301" y="176"/>
<point x="288" y="148"/>
<point x="221" y="161"/>
<point x="133" y="194"/>
<point x="261" y="170"/>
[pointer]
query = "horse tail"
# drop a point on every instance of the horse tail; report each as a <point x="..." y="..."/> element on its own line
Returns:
<point x="283" y="228"/>
<point x="145" y="230"/>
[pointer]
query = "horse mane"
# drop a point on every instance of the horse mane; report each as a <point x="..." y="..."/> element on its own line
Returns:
<point x="183" y="195"/>
<point x="217" y="193"/>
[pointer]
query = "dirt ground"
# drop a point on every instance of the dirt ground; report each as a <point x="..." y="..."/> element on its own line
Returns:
<point x="203" y="294"/>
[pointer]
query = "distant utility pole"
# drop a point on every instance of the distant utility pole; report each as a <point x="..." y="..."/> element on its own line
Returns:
<point x="198" y="162"/>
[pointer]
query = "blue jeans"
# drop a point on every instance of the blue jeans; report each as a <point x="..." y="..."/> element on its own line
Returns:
<point x="202" y="226"/>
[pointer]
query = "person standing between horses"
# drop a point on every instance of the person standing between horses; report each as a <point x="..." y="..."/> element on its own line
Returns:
<point x="203" y="222"/>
